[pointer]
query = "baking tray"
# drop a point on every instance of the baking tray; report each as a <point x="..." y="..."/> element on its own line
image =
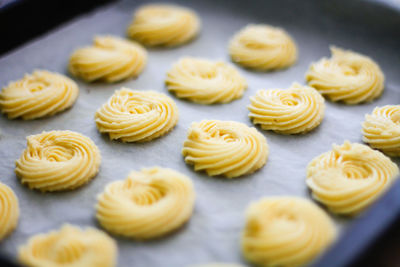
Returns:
<point x="213" y="233"/>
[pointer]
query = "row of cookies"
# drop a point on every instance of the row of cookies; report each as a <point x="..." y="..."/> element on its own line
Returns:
<point x="224" y="135"/>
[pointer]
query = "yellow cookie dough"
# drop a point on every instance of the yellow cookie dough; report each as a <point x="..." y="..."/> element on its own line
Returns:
<point x="225" y="148"/>
<point x="298" y="109"/>
<point x="9" y="210"/>
<point x="263" y="47"/>
<point x="285" y="231"/>
<point x="163" y="25"/>
<point x="40" y="94"/>
<point x="110" y="59"/>
<point x="70" y="246"/>
<point x="381" y="129"/>
<point x="137" y="116"/>
<point x="347" y="76"/>
<point x="205" y="81"/>
<point x="147" y="204"/>
<point x="58" y="160"/>
<point x="350" y="177"/>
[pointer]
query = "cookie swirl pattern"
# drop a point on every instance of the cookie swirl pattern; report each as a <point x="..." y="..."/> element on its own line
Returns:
<point x="147" y="204"/>
<point x="40" y="94"/>
<point x="69" y="246"/>
<point x="350" y="178"/>
<point x="9" y="210"/>
<point x="347" y="76"/>
<point x="298" y="109"/>
<point x="163" y="25"/>
<point x="58" y="160"/>
<point x="381" y="129"/>
<point x="204" y="81"/>
<point x="263" y="47"/>
<point x="285" y="231"/>
<point x="135" y="116"/>
<point x="110" y="59"/>
<point x="225" y="148"/>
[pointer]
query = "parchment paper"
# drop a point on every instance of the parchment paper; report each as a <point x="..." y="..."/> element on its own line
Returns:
<point x="213" y="232"/>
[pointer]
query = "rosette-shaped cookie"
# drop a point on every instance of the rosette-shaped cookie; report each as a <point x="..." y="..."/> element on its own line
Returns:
<point x="263" y="47"/>
<point x="37" y="95"/>
<point x="298" y="109"/>
<point x="225" y="148"/>
<point x="350" y="177"/>
<point x="285" y="231"/>
<point x="204" y="81"/>
<point x="69" y="246"/>
<point x="163" y="25"/>
<point x="9" y="210"/>
<point x="346" y="76"/>
<point x="381" y="129"/>
<point x="147" y="204"/>
<point x="134" y="116"/>
<point x="110" y="59"/>
<point x="58" y="160"/>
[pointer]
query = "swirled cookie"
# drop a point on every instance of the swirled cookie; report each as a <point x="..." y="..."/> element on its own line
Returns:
<point x="9" y="210"/>
<point x="204" y="81"/>
<point x="134" y="116"/>
<point x="163" y="25"/>
<point x="225" y="148"/>
<point x="298" y="109"/>
<point x="69" y="246"/>
<point x="350" y="177"/>
<point x="263" y="47"/>
<point x="147" y="204"/>
<point x="285" y="231"/>
<point x="381" y="129"/>
<point x="42" y="93"/>
<point x="346" y="76"/>
<point x="58" y="160"/>
<point x="110" y="59"/>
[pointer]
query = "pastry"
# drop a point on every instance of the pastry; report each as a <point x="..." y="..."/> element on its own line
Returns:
<point x="381" y="129"/>
<point x="205" y="81"/>
<point x="9" y="211"/>
<point x="40" y="94"/>
<point x="225" y="148"/>
<point x="347" y="76"/>
<point x="298" y="109"/>
<point x="137" y="116"/>
<point x="350" y="178"/>
<point x="163" y="25"/>
<point x="263" y="47"/>
<point x="285" y="231"/>
<point x="109" y="59"/>
<point x="69" y="246"/>
<point x="58" y="160"/>
<point x="148" y="204"/>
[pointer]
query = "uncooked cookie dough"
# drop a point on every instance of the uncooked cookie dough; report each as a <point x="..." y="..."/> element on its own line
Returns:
<point x="58" y="160"/>
<point x="350" y="177"/>
<point x="9" y="210"/>
<point x="205" y="81"/>
<point x="381" y="129"/>
<point x="40" y="94"/>
<point x="285" y="231"/>
<point x="163" y="25"/>
<point x="263" y="47"/>
<point x="225" y="148"/>
<point x="347" y="76"/>
<point x="298" y="109"/>
<point x="147" y="204"/>
<point x="69" y="246"/>
<point x="110" y="59"/>
<point x="137" y="116"/>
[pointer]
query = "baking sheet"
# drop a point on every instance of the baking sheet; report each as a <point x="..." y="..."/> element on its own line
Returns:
<point x="214" y="229"/>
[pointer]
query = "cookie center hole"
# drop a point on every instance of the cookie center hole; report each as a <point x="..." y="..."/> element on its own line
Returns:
<point x="145" y="195"/>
